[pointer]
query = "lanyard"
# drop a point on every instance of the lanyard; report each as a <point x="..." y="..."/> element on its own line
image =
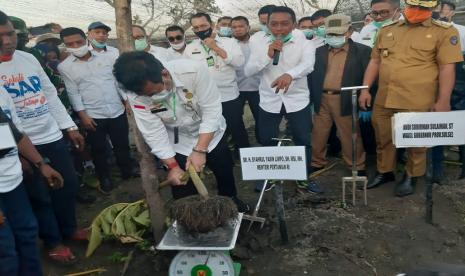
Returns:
<point x="205" y="48"/>
<point x="174" y="106"/>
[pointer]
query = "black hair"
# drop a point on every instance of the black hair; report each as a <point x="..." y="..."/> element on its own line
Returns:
<point x="320" y="13"/>
<point x="133" y="69"/>
<point x="448" y="3"/>
<point x="266" y="9"/>
<point x="140" y="27"/>
<point x="71" y="31"/>
<point x="240" y="17"/>
<point x="201" y="14"/>
<point x="395" y="3"/>
<point x="283" y="9"/>
<point x="224" y="18"/>
<point x="173" y="28"/>
<point x="3" y="18"/>
<point x="306" y="18"/>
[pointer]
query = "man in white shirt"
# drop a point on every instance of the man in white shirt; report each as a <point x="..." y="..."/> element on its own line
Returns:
<point x="223" y="26"/>
<point x="95" y="96"/>
<point x="446" y="13"/>
<point x="43" y="118"/>
<point x="222" y="55"/>
<point x="283" y="87"/>
<point x="177" y="40"/>
<point x="97" y="37"/>
<point x="142" y="43"/>
<point x="383" y="12"/>
<point x="178" y="112"/>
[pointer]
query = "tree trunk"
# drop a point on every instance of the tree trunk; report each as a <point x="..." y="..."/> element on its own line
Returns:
<point x="147" y="165"/>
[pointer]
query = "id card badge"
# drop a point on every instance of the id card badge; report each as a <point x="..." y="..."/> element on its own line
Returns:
<point x="210" y="61"/>
<point x="8" y="140"/>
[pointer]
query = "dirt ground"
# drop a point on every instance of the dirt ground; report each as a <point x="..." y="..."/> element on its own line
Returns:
<point x="386" y="237"/>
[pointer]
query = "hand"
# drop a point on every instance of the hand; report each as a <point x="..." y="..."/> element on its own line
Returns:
<point x="127" y="106"/>
<point x="197" y="160"/>
<point x="282" y="82"/>
<point x="77" y="140"/>
<point x="210" y="43"/>
<point x="364" y="100"/>
<point x="275" y="45"/>
<point x="174" y="176"/>
<point x="54" y="179"/>
<point x="87" y="122"/>
<point x="441" y="106"/>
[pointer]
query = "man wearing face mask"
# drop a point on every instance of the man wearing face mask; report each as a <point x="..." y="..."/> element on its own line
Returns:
<point x="223" y="26"/>
<point x="177" y="40"/>
<point x="223" y="56"/>
<point x="340" y="63"/>
<point x="100" y="105"/>
<point x="383" y="12"/>
<point x="415" y="60"/>
<point x="97" y="37"/>
<point x="178" y="112"/>
<point x="318" y="23"/>
<point x="306" y="26"/>
<point x="142" y="43"/>
<point x="446" y="12"/>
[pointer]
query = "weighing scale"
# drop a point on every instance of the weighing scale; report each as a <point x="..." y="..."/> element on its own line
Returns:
<point x="202" y="254"/>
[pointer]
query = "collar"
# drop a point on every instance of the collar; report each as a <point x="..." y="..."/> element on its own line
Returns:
<point x="92" y="56"/>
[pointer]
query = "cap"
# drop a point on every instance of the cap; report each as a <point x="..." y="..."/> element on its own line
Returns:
<point x="422" y="3"/>
<point x="18" y="24"/>
<point x="98" y="25"/>
<point x="54" y="38"/>
<point x="337" y="24"/>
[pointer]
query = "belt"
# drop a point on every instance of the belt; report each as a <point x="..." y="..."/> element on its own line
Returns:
<point x="332" y="92"/>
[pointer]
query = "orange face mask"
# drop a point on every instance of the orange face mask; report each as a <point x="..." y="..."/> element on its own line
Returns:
<point x="416" y="15"/>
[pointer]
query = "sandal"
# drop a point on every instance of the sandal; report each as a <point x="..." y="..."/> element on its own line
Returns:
<point x="62" y="255"/>
<point x="81" y="235"/>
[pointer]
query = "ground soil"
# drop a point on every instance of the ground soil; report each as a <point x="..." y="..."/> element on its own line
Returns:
<point x="386" y="237"/>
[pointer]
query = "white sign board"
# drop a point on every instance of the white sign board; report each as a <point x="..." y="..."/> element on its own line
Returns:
<point x="427" y="129"/>
<point x="274" y="163"/>
<point x="7" y="141"/>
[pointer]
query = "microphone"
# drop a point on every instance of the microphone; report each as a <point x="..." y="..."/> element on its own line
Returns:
<point x="276" y="53"/>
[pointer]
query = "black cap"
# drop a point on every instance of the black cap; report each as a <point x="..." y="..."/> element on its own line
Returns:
<point x="98" y="25"/>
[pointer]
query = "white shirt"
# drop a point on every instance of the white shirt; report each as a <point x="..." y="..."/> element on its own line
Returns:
<point x="367" y="35"/>
<point x="244" y="83"/>
<point x="11" y="173"/>
<point x="37" y="104"/>
<point x="173" y="54"/>
<point x="91" y="86"/>
<point x="461" y="30"/>
<point x="297" y="59"/>
<point x="223" y="71"/>
<point x="160" y="53"/>
<point x="112" y="51"/>
<point x="200" y="115"/>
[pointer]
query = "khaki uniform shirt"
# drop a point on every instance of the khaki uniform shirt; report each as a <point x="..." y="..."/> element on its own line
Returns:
<point x="410" y="58"/>
<point x="336" y="63"/>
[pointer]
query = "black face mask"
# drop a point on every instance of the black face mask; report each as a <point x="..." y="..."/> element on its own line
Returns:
<point x="204" y="34"/>
<point x="435" y="15"/>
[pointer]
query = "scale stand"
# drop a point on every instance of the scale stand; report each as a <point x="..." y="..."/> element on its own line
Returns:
<point x="354" y="179"/>
<point x="205" y="254"/>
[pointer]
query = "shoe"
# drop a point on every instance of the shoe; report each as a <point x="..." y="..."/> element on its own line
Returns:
<point x="380" y="179"/>
<point x="406" y="187"/>
<point x="242" y="207"/>
<point x="309" y="186"/>
<point x="105" y="185"/>
<point x="315" y="169"/>
<point x="85" y="198"/>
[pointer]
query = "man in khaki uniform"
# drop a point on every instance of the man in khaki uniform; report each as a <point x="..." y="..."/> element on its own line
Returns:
<point x="415" y="60"/>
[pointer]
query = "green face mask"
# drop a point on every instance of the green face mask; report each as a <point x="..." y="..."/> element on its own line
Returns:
<point x="320" y="31"/>
<point x="380" y="24"/>
<point x="141" y="44"/>
<point x="284" y="38"/>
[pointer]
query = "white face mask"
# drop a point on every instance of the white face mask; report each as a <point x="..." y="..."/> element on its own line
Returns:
<point x="163" y="95"/>
<point x="78" y="52"/>
<point x="178" y="46"/>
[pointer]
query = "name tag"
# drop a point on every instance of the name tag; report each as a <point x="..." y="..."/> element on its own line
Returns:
<point x="196" y="53"/>
<point x="157" y="110"/>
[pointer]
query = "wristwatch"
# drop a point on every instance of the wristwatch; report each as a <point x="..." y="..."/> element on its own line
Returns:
<point x="40" y="163"/>
<point x="73" y="128"/>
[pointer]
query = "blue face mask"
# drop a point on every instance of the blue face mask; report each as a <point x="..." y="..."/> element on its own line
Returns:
<point x="309" y="33"/>
<point x="225" y="32"/>
<point x="97" y="44"/>
<point x="283" y="38"/>
<point x="320" y="31"/>
<point x="264" y="28"/>
<point x="335" y="41"/>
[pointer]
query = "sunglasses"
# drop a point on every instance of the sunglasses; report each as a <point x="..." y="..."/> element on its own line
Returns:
<point x="174" y="38"/>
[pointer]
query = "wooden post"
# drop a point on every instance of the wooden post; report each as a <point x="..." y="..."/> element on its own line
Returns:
<point x="147" y="165"/>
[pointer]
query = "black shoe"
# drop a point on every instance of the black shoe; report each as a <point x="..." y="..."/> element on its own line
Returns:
<point x="105" y="185"/>
<point x="242" y="207"/>
<point x="380" y="179"/>
<point x="85" y="198"/>
<point x="406" y="187"/>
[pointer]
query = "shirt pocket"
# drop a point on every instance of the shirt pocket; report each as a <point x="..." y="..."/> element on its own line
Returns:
<point x="423" y="49"/>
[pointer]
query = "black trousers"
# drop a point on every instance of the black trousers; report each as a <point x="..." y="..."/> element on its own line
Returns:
<point x="253" y="98"/>
<point x="220" y="161"/>
<point x="118" y="130"/>
<point x="232" y="112"/>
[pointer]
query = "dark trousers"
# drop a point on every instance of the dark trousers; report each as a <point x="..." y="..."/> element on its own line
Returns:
<point x="220" y="161"/>
<point x="253" y="99"/>
<point x="19" y="255"/>
<point x="118" y="130"/>
<point x="55" y="209"/>
<point x="299" y="122"/>
<point x="232" y="112"/>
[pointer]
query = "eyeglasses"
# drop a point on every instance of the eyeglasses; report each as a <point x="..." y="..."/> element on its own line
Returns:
<point x="174" y="38"/>
<point x="382" y="13"/>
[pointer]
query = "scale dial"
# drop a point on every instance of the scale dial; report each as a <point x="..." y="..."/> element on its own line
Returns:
<point x="202" y="263"/>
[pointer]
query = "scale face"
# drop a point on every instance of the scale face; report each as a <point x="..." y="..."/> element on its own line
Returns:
<point x="202" y="263"/>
